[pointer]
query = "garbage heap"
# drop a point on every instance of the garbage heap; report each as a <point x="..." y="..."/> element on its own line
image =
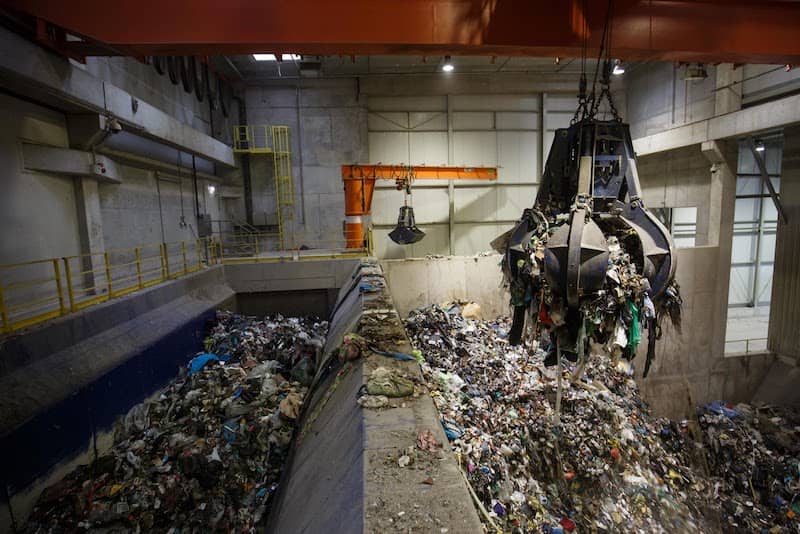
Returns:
<point x="753" y="454"/>
<point x="207" y="453"/>
<point x="602" y="464"/>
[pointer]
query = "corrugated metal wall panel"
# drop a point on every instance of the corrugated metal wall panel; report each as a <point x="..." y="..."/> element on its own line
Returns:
<point x="487" y="130"/>
<point x="784" y="319"/>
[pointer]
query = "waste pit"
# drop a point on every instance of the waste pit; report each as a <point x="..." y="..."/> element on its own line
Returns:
<point x="207" y="452"/>
<point x="601" y="463"/>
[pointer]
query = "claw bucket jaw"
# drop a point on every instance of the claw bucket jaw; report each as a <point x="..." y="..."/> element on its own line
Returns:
<point x="406" y="231"/>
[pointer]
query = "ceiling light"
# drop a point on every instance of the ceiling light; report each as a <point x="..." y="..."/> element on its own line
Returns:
<point x="448" y="66"/>
<point x="273" y="57"/>
<point x="759" y="145"/>
<point x="619" y="68"/>
<point x="211" y="189"/>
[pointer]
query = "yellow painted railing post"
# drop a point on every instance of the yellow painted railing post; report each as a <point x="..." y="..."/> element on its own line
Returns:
<point x="108" y="273"/>
<point x="57" y="272"/>
<point x="199" y="254"/>
<point x="70" y="290"/>
<point x="165" y="258"/>
<point x="138" y="254"/>
<point x="183" y="251"/>
<point x="3" y="314"/>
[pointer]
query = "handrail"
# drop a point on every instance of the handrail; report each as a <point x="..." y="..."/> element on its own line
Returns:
<point x="36" y="291"/>
<point x="249" y="228"/>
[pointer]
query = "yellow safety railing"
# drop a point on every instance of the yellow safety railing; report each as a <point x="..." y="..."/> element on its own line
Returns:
<point x="274" y="140"/>
<point x="234" y="247"/>
<point x="253" y="139"/>
<point x="36" y="291"/>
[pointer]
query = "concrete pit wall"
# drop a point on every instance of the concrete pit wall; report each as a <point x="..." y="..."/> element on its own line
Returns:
<point x="66" y="382"/>
<point x="343" y="474"/>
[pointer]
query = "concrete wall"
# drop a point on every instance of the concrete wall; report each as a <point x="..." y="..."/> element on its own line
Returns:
<point x="327" y="121"/>
<point x="45" y="214"/>
<point x="659" y="99"/>
<point x="420" y="281"/>
<point x="676" y="179"/>
<point x="31" y="202"/>
<point x="142" y="80"/>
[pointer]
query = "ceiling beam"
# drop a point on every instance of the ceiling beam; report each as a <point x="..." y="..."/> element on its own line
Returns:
<point x="753" y="31"/>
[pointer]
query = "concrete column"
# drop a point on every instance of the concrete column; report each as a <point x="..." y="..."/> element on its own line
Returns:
<point x="90" y="229"/>
<point x="722" y="201"/>
<point x="728" y="96"/>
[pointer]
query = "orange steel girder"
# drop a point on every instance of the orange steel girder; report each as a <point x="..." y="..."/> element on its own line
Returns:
<point x="359" y="185"/>
<point x="754" y="31"/>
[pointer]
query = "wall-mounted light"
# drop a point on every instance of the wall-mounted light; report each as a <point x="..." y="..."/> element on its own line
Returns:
<point x="619" y="68"/>
<point x="211" y="189"/>
<point x="447" y="65"/>
<point x="759" y="145"/>
<point x="273" y="57"/>
<point x="695" y="72"/>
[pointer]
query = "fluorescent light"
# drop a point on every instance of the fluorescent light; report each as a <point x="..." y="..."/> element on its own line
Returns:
<point x="619" y="68"/>
<point x="448" y="66"/>
<point x="211" y="189"/>
<point x="760" y="145"/>
<point x="272" y="57"/>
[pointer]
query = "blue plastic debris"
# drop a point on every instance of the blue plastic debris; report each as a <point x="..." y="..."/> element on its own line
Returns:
<point x="394" y="355"/>
<point x="366" y="287"/>
<point x="721" y="408"/>
<point x="200" y="361"/>
<point x="229" y="430"/>
<point x="451" y="430"/>
<point x="499" y="509"/>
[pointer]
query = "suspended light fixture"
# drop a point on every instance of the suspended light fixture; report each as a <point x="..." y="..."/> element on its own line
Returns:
<point x="759" y="145"/>
<point x="619" y="68"/>
<point x="211" y="190"/>
<point x="448" y="66"/>
<point x="695" y="72"/>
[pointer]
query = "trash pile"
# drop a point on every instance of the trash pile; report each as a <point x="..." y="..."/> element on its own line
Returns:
<point x="601" y="464"/>
<point x="753" y="454"/>
<point x="612" y="311"/>
<point x="207" y="453"/>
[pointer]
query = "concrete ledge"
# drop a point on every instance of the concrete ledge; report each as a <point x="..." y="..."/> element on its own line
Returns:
<point x="771" y="115"/>
<point x="343" y="465"/>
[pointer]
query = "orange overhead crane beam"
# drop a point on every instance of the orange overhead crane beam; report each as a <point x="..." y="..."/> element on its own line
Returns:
<point x="738" y="31"/>
<point x="359" y="185"/>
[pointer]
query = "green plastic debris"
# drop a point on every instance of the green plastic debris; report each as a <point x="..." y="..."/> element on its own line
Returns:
<point x="635" y="334"/>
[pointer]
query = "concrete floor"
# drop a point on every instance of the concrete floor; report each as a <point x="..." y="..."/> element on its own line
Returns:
<point x="747" y="330"/>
